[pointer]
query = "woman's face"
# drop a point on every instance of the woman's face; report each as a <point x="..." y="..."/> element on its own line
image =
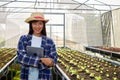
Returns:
<point x="37" y="27"/>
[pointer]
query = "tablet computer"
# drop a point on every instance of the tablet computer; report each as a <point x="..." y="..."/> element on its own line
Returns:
<point x="35" y="51"/>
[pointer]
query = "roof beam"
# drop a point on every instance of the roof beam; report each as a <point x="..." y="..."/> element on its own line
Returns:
<point x="47" y="12"/>
<point x="53" y="8"/>
<point x="57" y="3"/>
<point x="104" y="3"/>
<point x="35" y="3"/>
<point x="81" y="4"/>
<point x="7" y="3"/>
<point x="86" y="5"/>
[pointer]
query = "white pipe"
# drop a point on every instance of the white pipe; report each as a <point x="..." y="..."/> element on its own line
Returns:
<point x="4" y="67"/>
<point x="62" y="72"/>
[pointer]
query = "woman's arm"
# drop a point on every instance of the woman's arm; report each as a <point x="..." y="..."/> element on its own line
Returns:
<point x="51" y="59"/>
<point x="21" y="54"/>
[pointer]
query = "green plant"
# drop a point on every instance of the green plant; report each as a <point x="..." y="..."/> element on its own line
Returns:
<point x="78" y="76"/>
<point x="98" y="78"/>
<point x="75" y="63"/>
<point x="83" y="67"/>
<point x="92" y="68"/>
<point x="97" y="69"/>
<point x="101" y="72"/>
<point x="88" y="66"/>
<point x="107" y="75"/>
<point x="67" y="68"/>
<point x="115" y="78"/>
<point x="71" y="62"/>
<point x="74" y="72"/>
<point x="82" y="79"/>
<point x="114" y="73"/>
<point x="92" y="74"/>
<point x="98" y="66"/>
<point x="87" y="71"/>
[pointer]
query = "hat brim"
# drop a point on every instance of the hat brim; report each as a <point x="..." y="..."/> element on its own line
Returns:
<point x="32" y="19"/>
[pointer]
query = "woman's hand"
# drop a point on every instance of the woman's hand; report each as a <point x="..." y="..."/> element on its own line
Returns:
<point x="47" y="61"/>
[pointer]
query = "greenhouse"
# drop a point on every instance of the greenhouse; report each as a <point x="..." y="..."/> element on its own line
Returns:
<point x="83" y="35"/>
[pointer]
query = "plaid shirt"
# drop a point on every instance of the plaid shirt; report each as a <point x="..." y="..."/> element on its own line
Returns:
<point x="25" y="61"/>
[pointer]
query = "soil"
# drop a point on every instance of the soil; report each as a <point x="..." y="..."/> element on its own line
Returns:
<point x="114" y="49"/>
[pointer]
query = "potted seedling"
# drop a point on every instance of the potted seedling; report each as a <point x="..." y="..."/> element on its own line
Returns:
<point x="98" y="66"/>
<point x="71" y="61"/>
<point x="107" y="75"/>
<point x="83" y="67"/>
<point x="79" y="66"/>
<point x="115" y="78"/>
<point x="73" y="72"/>
<point x="106" y="64"/>
<point x="98" y="78"/>
<point x="87" y="71"/>
<point x="101" y="72"/>
<point x="80" y="70"/>
<point x="92" y="68"/>
<point x="92" y="75"/>
<point x="78" y="77"/>
<point x="97" y="69"/>
<point x="75" y="64"/>
<point x="82" y="79"/>
<point x="114" y="73"/>
<point x="88" y="66"/>
<point x="67" y="68"/>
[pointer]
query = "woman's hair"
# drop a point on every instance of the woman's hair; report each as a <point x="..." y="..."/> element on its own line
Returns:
<point x="43" y="32"/>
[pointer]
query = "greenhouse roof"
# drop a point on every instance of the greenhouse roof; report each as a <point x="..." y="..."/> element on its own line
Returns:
<point x="58" y="6"/>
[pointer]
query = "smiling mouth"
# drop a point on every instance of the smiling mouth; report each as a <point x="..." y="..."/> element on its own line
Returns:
<point x="38" y="30"/>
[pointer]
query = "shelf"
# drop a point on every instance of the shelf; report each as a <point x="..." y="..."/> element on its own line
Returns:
<point x="103" y="53"/>
<point x="106" y="52"/>
<point x="61" y="73"/>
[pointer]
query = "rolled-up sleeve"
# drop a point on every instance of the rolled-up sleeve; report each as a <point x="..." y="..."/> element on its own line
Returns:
<point x="53" y="52"/>
<point x="22" y="57"/>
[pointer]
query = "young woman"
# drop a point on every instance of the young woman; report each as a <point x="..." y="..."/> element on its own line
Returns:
<point x="33" y="67"/>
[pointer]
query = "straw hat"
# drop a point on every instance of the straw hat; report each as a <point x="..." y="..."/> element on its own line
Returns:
<point x="36" y="16"/>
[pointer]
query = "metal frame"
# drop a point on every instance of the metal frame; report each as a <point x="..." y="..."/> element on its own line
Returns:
<point x="5" y="69"/>
<point x="73" y="2"/>
<point x="61" y="73"/>
<point x="8" y="64"/>
<point x="98" y="51"/>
